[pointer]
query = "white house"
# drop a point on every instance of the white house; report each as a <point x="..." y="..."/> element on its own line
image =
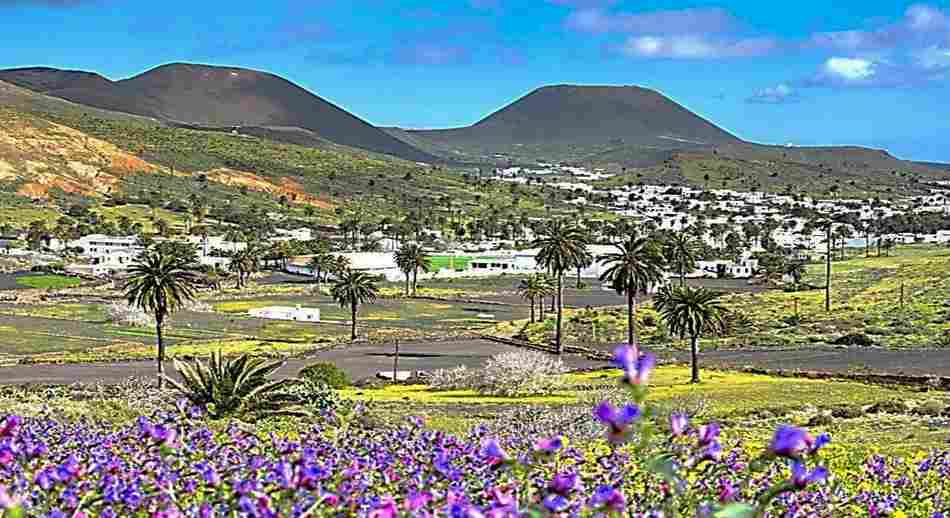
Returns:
<point x="296" y="314"/>
<point x="374" y="263"/>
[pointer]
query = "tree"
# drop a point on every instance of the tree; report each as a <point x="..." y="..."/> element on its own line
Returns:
<point x="796" y="270"/>
<point x="351" y="290"/>
<point x="244" y="262"/>
<point x="533" y="289"/>
<point x="159" y="283"/>
<point x="634" y="269"/>
<point x="562" y="247"/>
<point x="682" y="252"/>
<point x="411" y="258"/>
<point x="320" y="264"/>
<point x="690" y="312"/>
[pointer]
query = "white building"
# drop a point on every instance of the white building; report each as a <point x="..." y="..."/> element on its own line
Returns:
<point x="295" y="314"/>
<point x="374" y="263"/>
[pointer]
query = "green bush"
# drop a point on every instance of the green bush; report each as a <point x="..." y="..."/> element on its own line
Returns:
<point x="326" y="373"/>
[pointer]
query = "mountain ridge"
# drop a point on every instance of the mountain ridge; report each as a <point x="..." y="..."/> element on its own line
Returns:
<point x="206" y="95"/>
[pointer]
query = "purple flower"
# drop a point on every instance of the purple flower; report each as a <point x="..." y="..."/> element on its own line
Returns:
<point x="555" y="503"/>
<point x="790" y="441"/>
<point x="9" y="425"/>
<point x="564" y="483"/>
<point x="493" y="451"/>
<point x="6" y="455"/>
<point x="801" y="477"/>
<point x="618" y="420"/>
<point x="727" y="491"/>
<point x="712" y="452"/>
<point x="609" y="499"/>
<point x="708" y="433"/>
<point x="636" y="369"/>
<point x="6" y="501"/>
<point x="549" y="445"/>
<point x="678" y="424"/>
<point x="386" y="509"/>
<point x="819" y="442"/>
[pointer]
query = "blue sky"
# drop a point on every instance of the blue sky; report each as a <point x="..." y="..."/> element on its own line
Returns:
<point x="874" y="73"/>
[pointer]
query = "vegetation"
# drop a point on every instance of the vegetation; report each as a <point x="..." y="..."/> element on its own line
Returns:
<point x="634" y="269"/>
<point x="690" y="312"/>
<point x="562" y="247"/>
<point x="352" y="290"/>
<point x="48" y="282"/>
<point x="325" y="373"/>
<point x="228" y="387"/>
<point x="534" y="289"/>
<point x="161" y="283"/>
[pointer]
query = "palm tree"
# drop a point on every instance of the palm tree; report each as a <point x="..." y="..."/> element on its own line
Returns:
<point x="159" y="283"/>
<point x="795" y="269"/>
<point x="634" y="269"/>
<point x="320" y="264"/>
<point x="562" y="247"/>
<point x="402" y="261"/>
<point x="690" y="311"/>
<point x="351" y="290"/>
<point x="682" y="251"/>
<point x="412" y="258"/>
<point x="341" y="265"/>
<point x="243" y="263"/>
<point x="533" y="289"/>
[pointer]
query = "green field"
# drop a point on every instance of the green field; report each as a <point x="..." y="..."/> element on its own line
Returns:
<point x="52" y="281"/>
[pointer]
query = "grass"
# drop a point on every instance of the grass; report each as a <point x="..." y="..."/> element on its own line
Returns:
<point x="49" y="282"/>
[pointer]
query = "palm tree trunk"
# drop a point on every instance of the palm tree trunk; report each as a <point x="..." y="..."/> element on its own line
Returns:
<point x="532" y="310"/>
<point x="415" y="280"/>
<point x="633" y="324"/>
<point x="353" y="307"/>
<point x="407" y="283"/>
<point x="694" y="357"/>
<point x="630" y="323"/>
<point x="560" y="311"/>
<point x="828" y="273"/>
<point x="579" y="277"/>
<point x="159" y="323"/>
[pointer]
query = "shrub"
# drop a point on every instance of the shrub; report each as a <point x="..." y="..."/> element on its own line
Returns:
<point x="317" y="397"/>
<point x="326" y="373"/>
<point x="233" y="387"/>
<point x="123" y="314"/>
<point x="521" y="373"/>
<point x="458" y="378"/>
<point x="854" y="339"/>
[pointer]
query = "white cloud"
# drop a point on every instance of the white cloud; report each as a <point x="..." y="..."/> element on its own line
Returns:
<point x="682" y="21"/>
<point x="850" y="69"/>
<point x="779" y="94"/>
<point x="933" y="58"/>
<point x="689" y="46"/>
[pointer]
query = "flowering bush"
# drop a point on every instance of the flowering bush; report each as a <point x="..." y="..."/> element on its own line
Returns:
<point x="174" y="465"/>
<point x="510" y="374"/>
<point x="122" y="313"/>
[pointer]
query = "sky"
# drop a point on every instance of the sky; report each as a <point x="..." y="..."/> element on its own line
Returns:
<point x="810" y="72"/>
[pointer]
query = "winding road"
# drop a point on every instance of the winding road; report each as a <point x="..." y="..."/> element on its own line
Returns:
<point x="365" y="360"/>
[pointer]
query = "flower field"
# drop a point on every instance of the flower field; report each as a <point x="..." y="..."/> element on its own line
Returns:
<point x="176" y="462"/>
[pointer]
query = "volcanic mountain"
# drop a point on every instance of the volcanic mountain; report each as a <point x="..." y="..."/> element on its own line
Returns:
<point x="567" y="115"/>
<point x="217" y="97"/>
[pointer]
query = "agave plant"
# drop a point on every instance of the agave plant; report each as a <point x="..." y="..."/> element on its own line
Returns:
<point x="234" y="386"/>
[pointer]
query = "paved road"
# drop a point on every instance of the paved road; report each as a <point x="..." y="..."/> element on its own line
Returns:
<point x="359" y="362"/>
<point x="869" y="360"/>
<point x="364" y="361"/>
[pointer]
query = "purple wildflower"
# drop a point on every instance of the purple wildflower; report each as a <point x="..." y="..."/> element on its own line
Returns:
<point x="678" y="424"/>
<point x="549" y="445"/>
<point x="801" y="477"/>
<point x="708" y="433"/>
<point x="636" y="368"/>
<point x="609" y="499"/>
<point x="790" y="441"/>
<point x="618" y="420"/>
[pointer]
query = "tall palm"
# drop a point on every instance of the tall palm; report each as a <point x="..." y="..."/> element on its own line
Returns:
<point x="405" y="266"/>
<point x="690" y="311"/>
<point x="412" y="258"/>
<point x="682" y="251"/>
<point x="796" y="270"/>
<point x="244" y="262"/>
<point x="633" y="270"/>
<point x="159" y="283"/>
<point x="562" y="247"/>
<point x="341" y="264"/>
<point x="320" y="264"/>
<point x="351" y="290"/>
<point x="533" y="289"/>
